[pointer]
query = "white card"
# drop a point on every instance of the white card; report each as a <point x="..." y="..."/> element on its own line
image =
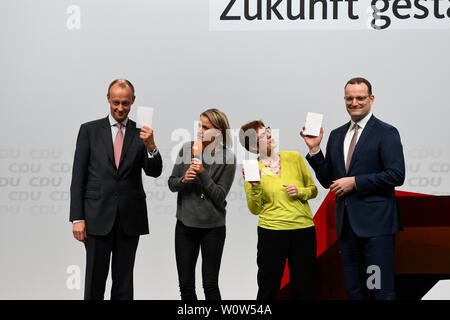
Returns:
<point x="313" y="124"/>
<point x="251" y="170"/>
<point x="144" y="117"/>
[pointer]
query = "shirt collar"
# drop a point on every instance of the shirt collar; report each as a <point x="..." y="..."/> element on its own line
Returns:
<point x="361" y="123"/>
<point x="113" y="121"/>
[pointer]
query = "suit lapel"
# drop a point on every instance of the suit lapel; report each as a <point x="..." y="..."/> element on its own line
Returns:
<point x="340" y="152"/>
<point x="362" y="140"/>
<point x="130" y="134"/>
<point x="107" y="140"/>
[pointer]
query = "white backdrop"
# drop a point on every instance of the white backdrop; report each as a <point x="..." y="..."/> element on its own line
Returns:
<point x="56" y="63"/>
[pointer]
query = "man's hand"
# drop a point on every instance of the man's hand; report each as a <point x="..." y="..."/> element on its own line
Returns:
<point x="342" y="186"/>
<point x="197" y="165"/>
<point x="312" y="142"/>
<point x="189" y="176"/>
<point x="79" y="231"/>
<point x="146" y="135"/>
<point x="253" y="183"/>
<point x="291" y="190"/>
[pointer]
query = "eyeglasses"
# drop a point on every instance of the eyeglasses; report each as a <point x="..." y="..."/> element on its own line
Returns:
<point x="359" y="98"/>
<point x="264" y="134"/>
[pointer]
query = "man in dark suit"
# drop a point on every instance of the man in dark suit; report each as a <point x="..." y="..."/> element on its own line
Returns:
<point x="107" y="204"/>
<point x="363" y="164"/>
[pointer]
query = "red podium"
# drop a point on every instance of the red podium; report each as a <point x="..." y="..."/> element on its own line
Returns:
<point x="422" y="249"/>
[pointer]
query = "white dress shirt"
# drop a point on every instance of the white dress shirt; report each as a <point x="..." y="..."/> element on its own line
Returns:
<point x="349" y="135"/>
<point x="114" y="130"/>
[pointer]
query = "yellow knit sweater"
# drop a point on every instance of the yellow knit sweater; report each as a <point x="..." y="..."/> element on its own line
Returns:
<point x="270" y="200"/>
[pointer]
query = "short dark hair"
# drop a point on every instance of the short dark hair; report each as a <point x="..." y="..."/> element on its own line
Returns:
<point x="123" y="83"/>
<point x="359" y="80"/>
<point x="249" y="138"/>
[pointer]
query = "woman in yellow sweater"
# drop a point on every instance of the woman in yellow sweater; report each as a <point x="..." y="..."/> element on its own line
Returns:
<point x="286" y="228"/>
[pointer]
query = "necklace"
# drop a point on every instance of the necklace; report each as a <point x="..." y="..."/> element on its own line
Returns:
<point x="273" y="163"/>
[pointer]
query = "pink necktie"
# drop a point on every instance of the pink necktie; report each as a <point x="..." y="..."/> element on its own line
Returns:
<point x="352" y="148"/>
<point x="118" y="143"/>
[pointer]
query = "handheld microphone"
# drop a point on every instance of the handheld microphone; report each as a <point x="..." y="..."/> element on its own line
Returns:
<point x="197" y="150"/>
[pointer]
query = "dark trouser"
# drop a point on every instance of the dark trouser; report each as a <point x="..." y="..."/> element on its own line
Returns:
<point x="368" y="264"/>
<point x="98" y="253"/>
<point x="274" y="247"/>
<point x="188" y="242"/>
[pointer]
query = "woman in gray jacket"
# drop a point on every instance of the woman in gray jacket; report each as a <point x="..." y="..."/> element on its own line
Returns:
<point x="202" y="180"/>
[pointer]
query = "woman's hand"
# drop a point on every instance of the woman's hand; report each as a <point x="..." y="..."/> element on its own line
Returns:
<point x="189" y="176"/>
<point x="253" y="183"/>
<point x="197" y="165"/>
<point x="291" y="190"/>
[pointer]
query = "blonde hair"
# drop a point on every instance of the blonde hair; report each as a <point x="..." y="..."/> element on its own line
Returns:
<point x="220" y="121"/>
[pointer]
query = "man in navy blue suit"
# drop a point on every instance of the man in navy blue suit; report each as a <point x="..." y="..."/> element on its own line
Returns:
<point x="363" y="164"/>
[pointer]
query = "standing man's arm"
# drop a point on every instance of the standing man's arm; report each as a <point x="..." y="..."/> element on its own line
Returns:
<point x="79" y="173"/>
<point x="392" y="174"/>
<point x="152" y="163"/>
<point x="392" y="162"/>
<point x="316" y="159"/>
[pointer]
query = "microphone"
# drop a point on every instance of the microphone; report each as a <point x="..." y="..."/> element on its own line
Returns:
<point x="197" y="150"/>
<point x="197" y="154"/>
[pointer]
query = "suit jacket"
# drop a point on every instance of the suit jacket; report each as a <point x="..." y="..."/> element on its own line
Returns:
<point x="99" y="191"/>
<point x="378" y="166"/>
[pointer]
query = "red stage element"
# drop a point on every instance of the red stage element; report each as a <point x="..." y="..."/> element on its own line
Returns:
<point x="426" y="220"/>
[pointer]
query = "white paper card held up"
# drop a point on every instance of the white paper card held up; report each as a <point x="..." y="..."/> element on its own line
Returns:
<point x="313" y="124"/>
<point x="251" y="170"/>
<point x="144" y="117"/>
